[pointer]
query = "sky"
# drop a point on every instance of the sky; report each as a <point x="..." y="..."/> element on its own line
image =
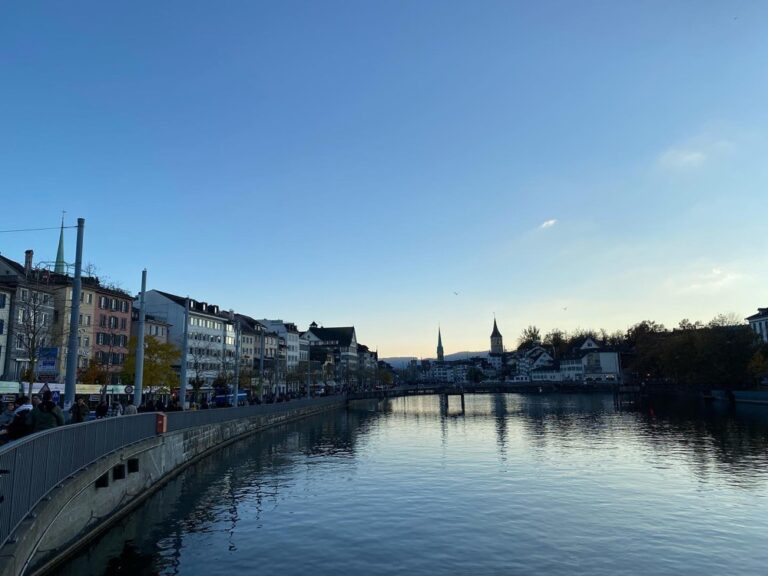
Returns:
<point x="398" y="166"/>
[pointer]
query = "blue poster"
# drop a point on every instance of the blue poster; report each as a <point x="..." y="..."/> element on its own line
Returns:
<point x="47" y="360"/>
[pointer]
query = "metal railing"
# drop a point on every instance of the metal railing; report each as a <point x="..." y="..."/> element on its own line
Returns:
<point x="193" y="418"/>
<point x="32" y="466"/>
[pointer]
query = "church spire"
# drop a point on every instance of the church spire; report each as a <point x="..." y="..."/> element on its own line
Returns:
<point x="439" y="345"/>
<point x="60" y="267"/>
<point x="497" y="344"/>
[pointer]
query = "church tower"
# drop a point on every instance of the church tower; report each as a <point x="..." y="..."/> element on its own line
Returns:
<point x="497" y="346"/>
<point x="60" y="266"/>
<point x="440" y="356"/>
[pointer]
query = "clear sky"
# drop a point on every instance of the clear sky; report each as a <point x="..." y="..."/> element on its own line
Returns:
<point x="398" y="165"/>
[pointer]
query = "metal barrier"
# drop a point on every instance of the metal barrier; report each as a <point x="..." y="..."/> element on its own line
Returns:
<point x="193" y="418"/>
<point x="32" y="466"/>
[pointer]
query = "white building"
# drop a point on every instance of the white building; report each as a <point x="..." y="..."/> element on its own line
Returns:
<point x="289" y="332"/>
<point x="5" y="316"/>
<point x="759" y="323"/>
<point x="211" y="344"/>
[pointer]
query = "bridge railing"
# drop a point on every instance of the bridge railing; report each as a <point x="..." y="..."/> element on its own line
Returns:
<point x="193" y="418"/>
<point x="32" y="466"/>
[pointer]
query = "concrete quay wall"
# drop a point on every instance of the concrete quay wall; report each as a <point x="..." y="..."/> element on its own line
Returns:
<point x="89" y="502"/>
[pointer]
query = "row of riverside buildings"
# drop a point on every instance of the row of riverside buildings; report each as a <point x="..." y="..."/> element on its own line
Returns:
<point x="586" y="363"/>
<point x="35" y="310"/>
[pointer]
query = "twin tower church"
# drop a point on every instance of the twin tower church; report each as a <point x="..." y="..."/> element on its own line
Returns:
<point x="497" y="345"/>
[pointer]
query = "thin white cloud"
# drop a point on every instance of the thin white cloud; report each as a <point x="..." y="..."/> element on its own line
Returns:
<point x="713" y="281"/>
<point x="694" y="155"/>
<point x="682" y="159"/>
<point x="548" y="223"/>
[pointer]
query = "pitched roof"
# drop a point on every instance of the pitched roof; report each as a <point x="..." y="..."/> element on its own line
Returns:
<point x="342" y="335"/>
<point x="495" y="333"/>
<point x="761" y="313"/>
<point x="13" y="265"/>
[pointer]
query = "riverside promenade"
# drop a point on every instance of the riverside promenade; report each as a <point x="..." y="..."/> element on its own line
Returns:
<point x="61" y="487"/>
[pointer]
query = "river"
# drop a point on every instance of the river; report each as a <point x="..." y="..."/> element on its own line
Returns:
<point x="513" y="484"/>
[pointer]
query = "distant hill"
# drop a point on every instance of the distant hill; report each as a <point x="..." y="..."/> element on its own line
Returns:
<point x="398" y="362"/>
<point x="402" y="361"/>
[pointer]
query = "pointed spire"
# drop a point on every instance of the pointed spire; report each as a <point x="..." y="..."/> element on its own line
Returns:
<point x="60" y="267"/>
<point x="495" y="329"/>
<point x="439" y="345"/>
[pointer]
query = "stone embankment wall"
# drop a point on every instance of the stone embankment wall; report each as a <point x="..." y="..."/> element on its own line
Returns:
<point x="97" y="496"/>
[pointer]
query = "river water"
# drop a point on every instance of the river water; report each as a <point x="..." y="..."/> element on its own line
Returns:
<point x="513" y="484"/>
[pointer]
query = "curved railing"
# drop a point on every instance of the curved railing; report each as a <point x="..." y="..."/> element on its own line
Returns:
<point x="194" y="418"/>
<point x="34" y="465"/>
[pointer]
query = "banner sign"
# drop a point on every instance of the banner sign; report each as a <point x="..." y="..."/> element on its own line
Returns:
<point x="47" y="360"/>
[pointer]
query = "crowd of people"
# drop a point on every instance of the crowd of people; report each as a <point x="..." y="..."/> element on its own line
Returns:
<point x="26" y="415"/>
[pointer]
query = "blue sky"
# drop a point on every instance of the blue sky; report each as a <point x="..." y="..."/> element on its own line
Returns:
<point x="360" y="162"/>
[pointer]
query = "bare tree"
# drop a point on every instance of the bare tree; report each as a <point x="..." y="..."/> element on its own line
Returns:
<point x="34" y="324"/>
<point x="199" y="360"/>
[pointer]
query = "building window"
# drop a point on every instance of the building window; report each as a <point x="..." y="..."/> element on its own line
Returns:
<point x="103" y="302"/>
<point x="2" y="326"/>
<point x="123" y="324"/>
<point x="2" y="300"/>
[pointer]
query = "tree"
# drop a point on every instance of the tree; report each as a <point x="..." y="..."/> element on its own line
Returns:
<point x="722" y="320"/>
<point x="475" y="375"/>
<point x="34" y="326"/>
<point x="530" y="335"/>
<point x="558" y="341"/>
<point x="686" y="324"/>
<point x="159" y="360"/>
<point x="199" y="354"/>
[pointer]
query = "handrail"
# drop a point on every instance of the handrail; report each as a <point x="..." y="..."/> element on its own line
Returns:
<point x="32" y="466"/>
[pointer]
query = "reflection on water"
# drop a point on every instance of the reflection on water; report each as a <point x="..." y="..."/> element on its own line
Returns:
<point x="556" y="484"/>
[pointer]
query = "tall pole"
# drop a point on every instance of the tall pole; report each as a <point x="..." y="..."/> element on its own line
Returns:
<point x="309" y="371"/>
<point x="74" y="321"/>
<point x="138" y="378"/>
<point x="236" y="385"/>
<point x="261" y="364"/>
<point x="184" y="354"/>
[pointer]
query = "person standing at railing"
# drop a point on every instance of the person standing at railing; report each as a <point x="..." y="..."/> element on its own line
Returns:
<point x="115" y="409"/>
<point x="130" y="408"/>
<point x="79" y="411"/>
<point x="45" y="415"/>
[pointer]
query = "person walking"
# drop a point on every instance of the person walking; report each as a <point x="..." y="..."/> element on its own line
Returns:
<point x="130" y="409"/>
<point x="45" y="415"/>
<point x="79" y="411"/>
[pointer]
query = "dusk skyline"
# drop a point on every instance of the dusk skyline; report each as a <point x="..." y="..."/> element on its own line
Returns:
<point x="399" y="166"/>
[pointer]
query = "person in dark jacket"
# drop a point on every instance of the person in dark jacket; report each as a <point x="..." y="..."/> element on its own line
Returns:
<point x="102" y="409"/>
<point x="18" y="427"/>
<point x="79" y="411"/>
<point x="45" y="415"/>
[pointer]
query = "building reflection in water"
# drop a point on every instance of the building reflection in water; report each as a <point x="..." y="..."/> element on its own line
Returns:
<point x="249" y="476"/>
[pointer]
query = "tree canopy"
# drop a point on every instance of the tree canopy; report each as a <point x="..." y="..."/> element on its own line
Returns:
<point x="159" y="360"/>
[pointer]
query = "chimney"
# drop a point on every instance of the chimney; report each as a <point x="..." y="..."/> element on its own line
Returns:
<point x="28" y="261"/>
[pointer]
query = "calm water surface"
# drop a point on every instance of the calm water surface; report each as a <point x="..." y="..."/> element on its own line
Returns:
<point x="515" y="484"/>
